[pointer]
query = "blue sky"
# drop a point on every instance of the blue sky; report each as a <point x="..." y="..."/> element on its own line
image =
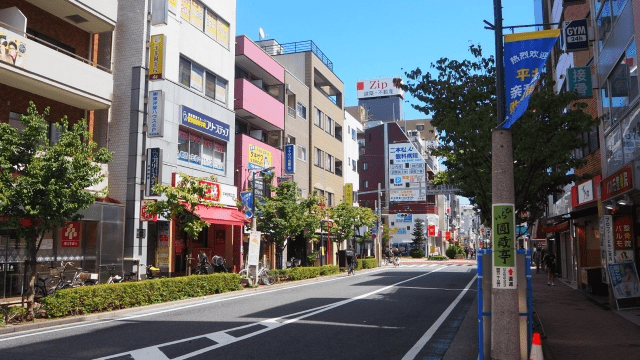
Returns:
<point x="375" y="38"/>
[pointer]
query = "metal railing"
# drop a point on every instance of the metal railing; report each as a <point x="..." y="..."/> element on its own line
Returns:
<point x="299" y="46"/>
<point x="54" y="47"/>
<point x="291" y="111"/>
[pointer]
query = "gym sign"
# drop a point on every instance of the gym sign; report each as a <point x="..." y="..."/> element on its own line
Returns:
<point x="575" y="35"/>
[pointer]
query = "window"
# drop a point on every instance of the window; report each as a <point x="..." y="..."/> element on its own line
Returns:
<point x="365" y="165"/>
<point x="591" y="143"/>
<point x="623" y="83"/>
<point x="328" y="125"/>
<point x="205" y="20"/>
<point x="329" y="165"/>
<point x="338" y="167"/>
<point x="366" y="184"/>
<point x="195" y="76"/>
<point x="420" y="127"/>
<point x="302" y="111"/>
<point x="353" y="134"/>
<point x="354" y="165"/>
<point x="319" y="157"/>
<point x="338" y="131"/>
<point x="196" y="150"/>
<point x="318" y="120"/>
<point x="302" y="153"/>
<point x="330" y="199"/>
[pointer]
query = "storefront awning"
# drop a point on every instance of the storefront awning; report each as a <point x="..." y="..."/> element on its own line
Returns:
<point x="222" y="216"/>
<point x="563" y="226"/>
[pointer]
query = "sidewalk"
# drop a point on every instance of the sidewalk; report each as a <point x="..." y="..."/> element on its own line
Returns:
<point x="580" y="326"/>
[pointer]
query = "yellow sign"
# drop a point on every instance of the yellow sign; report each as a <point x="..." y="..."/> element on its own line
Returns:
<point x="156" y="57"/>
<point x="223" y="32"/>
<point x="185" y="10"/>
<point x="197" y="14"/>
<point x="259" y="158"/>
<point x="348" y="193"/>
<point x="173" y="6"/>
<point x="211" y="25"/>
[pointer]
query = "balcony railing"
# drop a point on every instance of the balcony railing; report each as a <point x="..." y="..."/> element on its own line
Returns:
<point x="53" y="47"/>
<point x="291" y="111"/>
<point x="300" y="46"/>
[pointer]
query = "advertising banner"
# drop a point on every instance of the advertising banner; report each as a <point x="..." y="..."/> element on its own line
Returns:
<point x="197" y="14"/>
<point x="504" y="247"/>
<point x="624" y="280"/>
<point x="144" y="215"/>
<point x="219" y="193"/>
<point x="155" y="127"/>
<point x="258" y="158"/>
<point x="13" y="48"/>
<point x="606" y="244"/>
<point x="379" y="87"/>
<point x="211" y="25"/>
<point x="407" y="195"/>
<point x="622" y="227"/>
<point x="431" y="230"/>
<point x="525" y="55"/>
<point x="204" y="123"/>
<point x="575" y="35"/>
<point x="163" y="249"/>
<point x="157" y="54"/>
<point x="247" y="202"/>
<point x="254" y="248"/>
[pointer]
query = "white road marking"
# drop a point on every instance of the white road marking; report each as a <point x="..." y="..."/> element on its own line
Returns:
<point x="413" y="352"/>
<point x="148" y="354"/>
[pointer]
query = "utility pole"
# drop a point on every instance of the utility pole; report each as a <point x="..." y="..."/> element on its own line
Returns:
<point x="505" y="329"/>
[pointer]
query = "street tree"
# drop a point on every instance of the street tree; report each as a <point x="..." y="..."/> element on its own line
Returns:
<point x="42" y="185"/>
<point x="348" y="219"/>
<point x="417" y="235"/>
<point x="286" y="215"/>
<point x="460" y="97"/>
<point x="179" y="202"/>
<point x="387" y="234"/>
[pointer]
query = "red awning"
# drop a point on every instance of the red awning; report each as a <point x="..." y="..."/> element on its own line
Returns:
<point x="564" y="226"/>
<point x="223" y="216"/>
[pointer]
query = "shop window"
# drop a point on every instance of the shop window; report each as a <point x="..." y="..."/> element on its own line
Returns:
<point x="201" y="151"/>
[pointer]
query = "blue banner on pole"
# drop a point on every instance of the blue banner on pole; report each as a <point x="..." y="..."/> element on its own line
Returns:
<point x="247" y="201"/>
<point x="290" y="159"/>
<point x="525" y="55"/>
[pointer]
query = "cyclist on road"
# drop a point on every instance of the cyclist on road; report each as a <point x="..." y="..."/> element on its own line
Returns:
<point x="351" y="260"/>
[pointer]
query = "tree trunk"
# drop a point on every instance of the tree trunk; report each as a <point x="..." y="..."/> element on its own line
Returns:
<point x="29" y="295"/>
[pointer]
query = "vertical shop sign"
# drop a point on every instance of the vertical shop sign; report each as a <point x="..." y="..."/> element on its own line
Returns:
<point x="154" y="170"/>
<point x="447" y="235"/>
<point x="290" y="159"/>
<point x="348" y="193"/>
<point x="155" y="127"/>
<point x="144" y="215"/>
<point x="622" y="232"/>
<point x="157" y="52"/>
<point x="163" y="246"/>
<point x="71" y="235"/>
<point x="580" y="81"/>
<point x="254" y="248"/>
<point x="504" y="247"/>
<point x="431" y="230"/>
<point x="606" y="244"/>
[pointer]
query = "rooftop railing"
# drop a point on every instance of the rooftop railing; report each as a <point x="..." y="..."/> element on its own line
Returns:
<point x="299" y="46"/>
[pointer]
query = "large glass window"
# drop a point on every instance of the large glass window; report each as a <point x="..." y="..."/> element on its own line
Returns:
<point x="604" y="23"/>
<point x="194" y="149"/>
<point x="207" y="154"/>
<point x="183" y="146"/>
<point x="219" y="149"/>
<point x="606" y="111"/>
<point x="185" y="71"/>
<point x="197" y="150"/>
<point x="302" y="111"/>
<point x="631" y="136"/>
<point x="624" y="83"/>
<point x="613" y="150"/>
<point x="199" y="79"/>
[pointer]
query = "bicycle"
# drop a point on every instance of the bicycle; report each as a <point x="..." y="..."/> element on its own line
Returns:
<point x="81" y="278"/>
<point x="351" y="266"/>
<point x="113" y="278"/>
<point x="263" y="275"/>
<point x="396" y="261"/>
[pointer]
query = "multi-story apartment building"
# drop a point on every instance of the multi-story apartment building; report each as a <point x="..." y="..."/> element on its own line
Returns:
<point x="173" y="112"/>
<point x="58" y="54"/>
<point x="353" y="127"/>
<point x="306" y="62"/>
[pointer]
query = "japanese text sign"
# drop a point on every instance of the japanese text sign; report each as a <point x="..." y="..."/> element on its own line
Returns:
<point x="290" y="159"/>
<point x="624" y="280"/>
<point x="144" y="215"/>
<point x="204" y="123"/>
<point x="431" y="230"/>
<point x="155" y="123"/>
<point x="524" y="57"/>
<point x="621" y="181"/>
<point x="154" y="170"/>
<point x="157" y="51"/>
<point x="504" y="246"/>
<point x="71" y="234"/>
<point x="348" y="193"/>
<point x="580" y="81"/>
<point x="622" y="238"/>
<point x="258" y="158"/>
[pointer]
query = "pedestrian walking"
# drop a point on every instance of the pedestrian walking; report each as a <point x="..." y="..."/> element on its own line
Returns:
<point x="466" y="252"/>
<point x="537" y="259"/>
<point x="550" y="262"/>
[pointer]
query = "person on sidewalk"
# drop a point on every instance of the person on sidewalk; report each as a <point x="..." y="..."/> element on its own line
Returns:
<point x="537" y="259"/>
<point x="550" y="261"/>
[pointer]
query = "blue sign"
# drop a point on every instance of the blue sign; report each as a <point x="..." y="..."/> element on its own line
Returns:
<point x="524" y="57"/>
<point x="408" y="218"/>
<point x="290" y="159"/>
<point x="204" y="123"/>
<point x="402" y="231"/>
<point x="247" y="201"/>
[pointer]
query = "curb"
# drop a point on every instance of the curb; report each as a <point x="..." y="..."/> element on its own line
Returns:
<point x="48" y="323"/>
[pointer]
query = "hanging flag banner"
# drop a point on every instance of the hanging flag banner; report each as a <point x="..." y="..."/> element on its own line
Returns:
<point x="525" y="55"/>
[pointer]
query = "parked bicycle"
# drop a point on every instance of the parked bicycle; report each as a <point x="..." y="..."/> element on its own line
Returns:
<point x="263" y="275"/>
<point x="113" y="277"/>
<point x="293" y="262"/>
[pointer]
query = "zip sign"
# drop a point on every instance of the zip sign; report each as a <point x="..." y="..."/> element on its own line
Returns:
<point x="575" y="35"/>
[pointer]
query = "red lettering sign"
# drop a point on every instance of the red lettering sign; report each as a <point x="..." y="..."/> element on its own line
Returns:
<point x="622" y="227"/>
<point x="617" y="183"/>
<point x="144" y="215"/>
<point x="447" y="235"/>
<point x="432" y="230"/>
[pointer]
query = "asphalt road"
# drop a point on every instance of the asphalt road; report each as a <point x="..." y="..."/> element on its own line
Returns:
<point x="393" y="313"/>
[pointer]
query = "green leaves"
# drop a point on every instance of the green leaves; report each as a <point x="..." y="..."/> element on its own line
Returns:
<point x="347" y="218"/>
<point x="461" y="99"/>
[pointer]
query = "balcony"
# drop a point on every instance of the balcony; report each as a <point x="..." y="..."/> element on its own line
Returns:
<point x="55" y="73"/>
<point x="258" y="107"/>
<point x="291" y="112"/>
<point x="93" y="16"/>
<point x="252" y="58"/>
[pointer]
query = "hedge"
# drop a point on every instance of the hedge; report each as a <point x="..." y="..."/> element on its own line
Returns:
<point x="438" y="257"/>
<point x="366" y="264"/>
<point x="106" y="297"/>
<point x="308" y="272"/>
<point x="416" y="253"/>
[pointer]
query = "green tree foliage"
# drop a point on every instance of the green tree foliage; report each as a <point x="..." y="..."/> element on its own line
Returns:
<point x="42" y="185"/>
<point x="387" y="234"/>
<point x="178" y="202"/>
<point x="460" y="96"/>
<point x="417" y="235"/>
<point x="286" y="215"/>
<point x="347" y="219"/>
